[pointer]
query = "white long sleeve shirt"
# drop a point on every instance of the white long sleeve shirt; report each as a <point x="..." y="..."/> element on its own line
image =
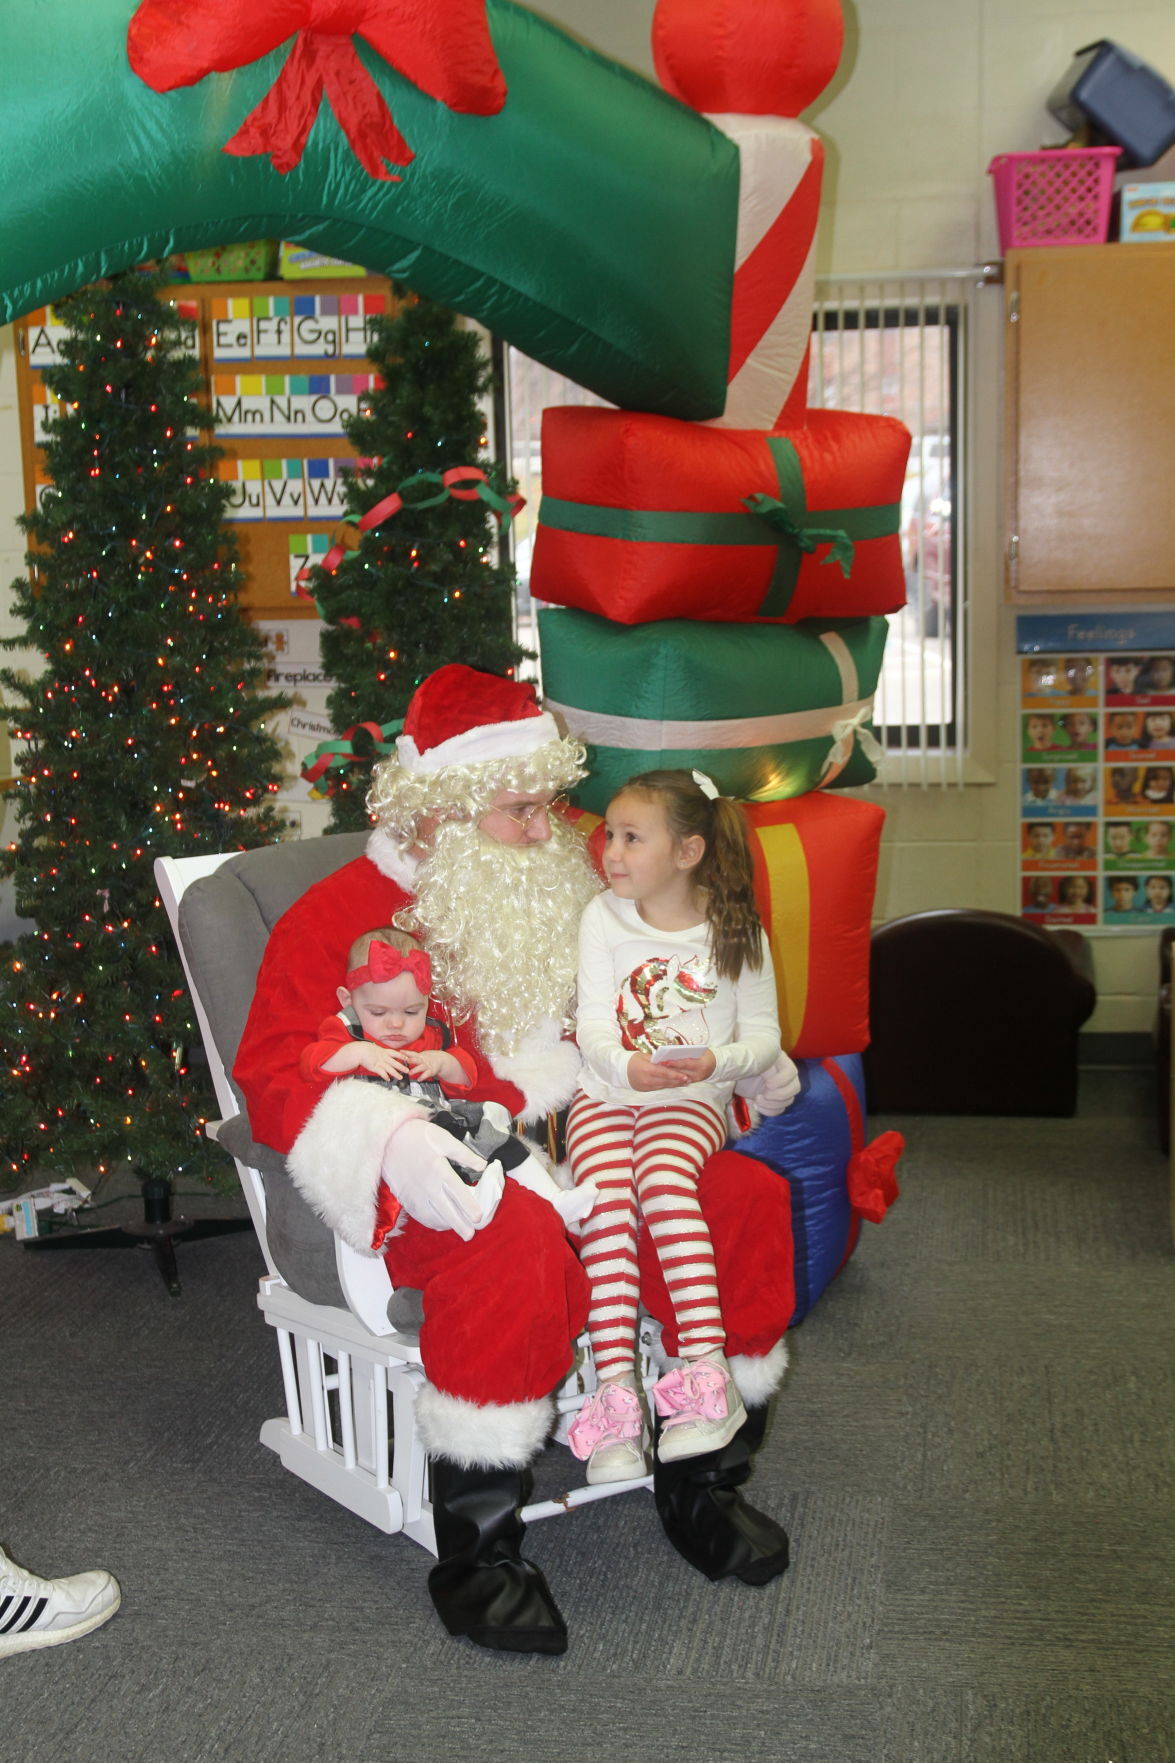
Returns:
<point x="641" y="988"/>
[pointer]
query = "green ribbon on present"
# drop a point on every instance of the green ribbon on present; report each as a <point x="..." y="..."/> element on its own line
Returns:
<point x="810" y="538"/>
<point x="787" y="514"/>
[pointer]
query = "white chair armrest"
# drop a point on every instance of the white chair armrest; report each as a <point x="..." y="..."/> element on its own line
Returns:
<point x="366" y="1286"/>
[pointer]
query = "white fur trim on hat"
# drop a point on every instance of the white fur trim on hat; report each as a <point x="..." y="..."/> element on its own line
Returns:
<point x="336" y="1159"/>
<point x="482" y="1436"/>
<point x="760" y="1376"/>
<point x="544" y="1068"/>
<point x="494" y="740"/>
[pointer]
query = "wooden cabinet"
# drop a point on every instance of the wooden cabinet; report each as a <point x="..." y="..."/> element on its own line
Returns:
<point x="1090" y="423"/>
<point x="282" y="362"/>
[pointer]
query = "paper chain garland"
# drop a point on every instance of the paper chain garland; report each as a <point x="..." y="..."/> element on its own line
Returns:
<point x="337" y="754"/>
<point x="504" y="508"/>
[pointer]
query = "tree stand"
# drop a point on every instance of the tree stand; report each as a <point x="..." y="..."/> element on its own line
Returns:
<point x="157" y="1230"/>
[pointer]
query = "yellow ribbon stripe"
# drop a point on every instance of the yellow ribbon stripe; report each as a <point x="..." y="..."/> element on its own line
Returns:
<point x="790" y="924"/>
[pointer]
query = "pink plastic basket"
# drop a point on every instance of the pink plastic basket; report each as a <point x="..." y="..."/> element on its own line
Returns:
<point x="1057" y="197"/>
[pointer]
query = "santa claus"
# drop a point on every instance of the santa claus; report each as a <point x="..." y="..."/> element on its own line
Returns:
<point x="471" y="853"/>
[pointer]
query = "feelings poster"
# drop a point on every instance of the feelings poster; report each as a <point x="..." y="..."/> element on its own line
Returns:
<point x="1097" y="769"/>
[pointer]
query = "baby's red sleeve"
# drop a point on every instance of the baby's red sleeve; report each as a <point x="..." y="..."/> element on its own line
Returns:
<point x="468" y="1065"/>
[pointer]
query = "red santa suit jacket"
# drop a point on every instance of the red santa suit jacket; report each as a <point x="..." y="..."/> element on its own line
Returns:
<point x="333" y="1131"/>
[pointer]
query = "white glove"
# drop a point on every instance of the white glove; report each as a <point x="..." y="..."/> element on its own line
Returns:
<point x="417" y="1168"/>
<point x="773" y="1090"/>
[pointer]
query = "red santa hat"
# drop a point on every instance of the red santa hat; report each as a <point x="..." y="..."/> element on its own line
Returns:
<point x="459" y="716"/>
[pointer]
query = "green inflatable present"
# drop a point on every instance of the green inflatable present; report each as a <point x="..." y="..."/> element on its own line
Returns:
<point x="768" y="711"/>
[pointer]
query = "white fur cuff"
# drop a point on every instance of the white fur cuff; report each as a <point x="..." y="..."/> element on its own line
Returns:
<point x="758" y="1378"/>
<point x="476" y="1436"/>
<point x="336" y="1159"/>
<point x="544" y="1068"/>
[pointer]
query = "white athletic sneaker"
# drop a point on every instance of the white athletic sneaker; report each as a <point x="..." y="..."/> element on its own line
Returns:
<point x="44" y="1612"/>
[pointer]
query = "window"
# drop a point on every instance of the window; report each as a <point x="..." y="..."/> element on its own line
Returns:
<point x="897" y="347"/>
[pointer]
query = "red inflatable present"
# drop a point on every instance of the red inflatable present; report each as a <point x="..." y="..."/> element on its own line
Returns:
<point x="645" y="518"/>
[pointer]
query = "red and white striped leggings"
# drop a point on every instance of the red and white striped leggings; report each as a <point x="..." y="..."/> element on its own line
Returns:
<point x="649" y="1157"/>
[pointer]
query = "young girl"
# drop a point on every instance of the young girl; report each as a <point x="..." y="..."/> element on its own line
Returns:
<point x="386" y="1032"/>
<point x="676" y="1003"/>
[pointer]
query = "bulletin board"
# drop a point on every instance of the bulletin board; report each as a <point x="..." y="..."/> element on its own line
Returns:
<point x="1097" y="769"/>
<point x="282" y="364"/>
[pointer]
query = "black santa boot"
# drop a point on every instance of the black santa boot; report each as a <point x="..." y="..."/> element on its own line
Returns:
<point x="481" y="1585"/>
<point x="706" y="1518"/>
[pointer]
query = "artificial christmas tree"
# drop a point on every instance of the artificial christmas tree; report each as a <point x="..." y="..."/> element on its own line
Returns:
<point x="424" y="586"/>
<point x="144" y="736"/>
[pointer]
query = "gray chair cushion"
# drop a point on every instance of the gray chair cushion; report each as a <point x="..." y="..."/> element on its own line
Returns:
<point x="224" y="923"/>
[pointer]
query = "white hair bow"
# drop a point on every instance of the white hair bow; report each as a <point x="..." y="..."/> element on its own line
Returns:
<point x="706" y="784"/>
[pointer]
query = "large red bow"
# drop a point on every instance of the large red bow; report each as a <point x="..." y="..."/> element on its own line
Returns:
<point x="383" y="962"/>
<point x="873" y="1186"/>
<point x="445" y="50"/>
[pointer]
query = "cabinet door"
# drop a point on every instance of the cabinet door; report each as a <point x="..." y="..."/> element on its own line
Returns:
<point x="1090" y="421"/>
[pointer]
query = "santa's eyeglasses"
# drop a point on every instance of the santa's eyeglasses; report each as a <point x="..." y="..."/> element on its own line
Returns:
<point x="522" y="813"/>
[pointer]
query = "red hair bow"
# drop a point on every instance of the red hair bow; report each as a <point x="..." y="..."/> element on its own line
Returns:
<point x="383" y="962"/>
<point x="873" y="1186"/>
<point x="446" y="51"/>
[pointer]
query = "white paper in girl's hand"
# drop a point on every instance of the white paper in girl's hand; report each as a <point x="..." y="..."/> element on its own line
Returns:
<point x="663" y="1055"/>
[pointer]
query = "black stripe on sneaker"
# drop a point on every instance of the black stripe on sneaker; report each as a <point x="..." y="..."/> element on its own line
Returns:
<point x="25" y="1614"/>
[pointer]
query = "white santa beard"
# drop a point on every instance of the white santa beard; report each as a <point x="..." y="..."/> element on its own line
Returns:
<point x="500" y="923"/>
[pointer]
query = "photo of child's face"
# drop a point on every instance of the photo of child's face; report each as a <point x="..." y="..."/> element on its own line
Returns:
<point x="1118" y="838"/>
<point x="1123" y="674"/>
<point x="1040" y="782"/>
<point x="1078" y="726"/>
<point x="1157" y="838"/>
<point x="1041" y="675"/>
<point x="1074" y="890"/>
<point x="1123" y="728"/>
<point x="1122" y="891"/>
<point x="1079" y="782"/>
<point x="1079" y="675"/>
<point x="1158" y="783"/>
<point x="1039" y="838"/>
<point x="1040" y="893"/>
<point x="1159" y="674"/>
<point x="1156" y="728"/>
<point x="1040" y="732"/>
<point x="1124" y="783"/>
<point x="1158" y="892"/>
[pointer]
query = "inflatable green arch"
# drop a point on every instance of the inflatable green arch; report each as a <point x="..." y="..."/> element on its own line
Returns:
<point x="591" y="221"/>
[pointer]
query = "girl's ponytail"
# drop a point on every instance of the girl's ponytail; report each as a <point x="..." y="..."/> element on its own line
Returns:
<point x="727" y="872"/>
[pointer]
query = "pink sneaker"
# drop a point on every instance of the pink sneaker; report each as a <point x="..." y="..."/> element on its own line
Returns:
<point x="700" y="1406"/>
<point x="608" y="1433"/>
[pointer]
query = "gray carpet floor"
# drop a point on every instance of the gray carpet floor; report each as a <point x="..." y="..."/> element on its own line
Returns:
<point x="973" y="1453"/>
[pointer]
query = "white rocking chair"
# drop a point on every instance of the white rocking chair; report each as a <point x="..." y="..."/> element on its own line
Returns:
<point x="342" y="1359"/>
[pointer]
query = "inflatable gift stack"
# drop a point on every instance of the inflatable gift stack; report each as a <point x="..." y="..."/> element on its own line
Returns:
<point x="715" y="560"/>
<point x="714" y="597"/>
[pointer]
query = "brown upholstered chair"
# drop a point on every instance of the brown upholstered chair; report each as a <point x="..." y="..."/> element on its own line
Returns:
<point x="976" y="1013"/>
